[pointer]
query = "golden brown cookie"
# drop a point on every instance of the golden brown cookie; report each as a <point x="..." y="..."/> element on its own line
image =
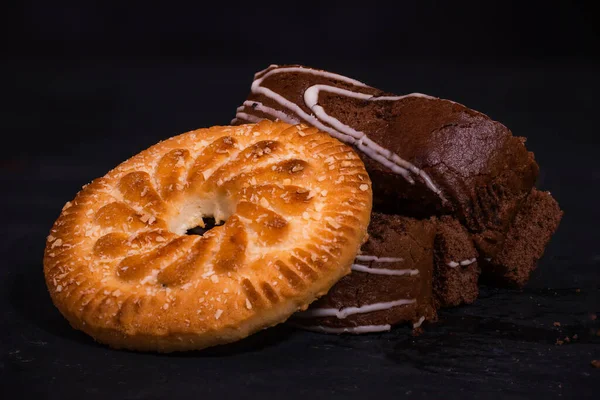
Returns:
<point x="296" y="204"/>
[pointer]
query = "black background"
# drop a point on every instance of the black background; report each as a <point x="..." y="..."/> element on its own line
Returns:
<point x="86" y="85"/>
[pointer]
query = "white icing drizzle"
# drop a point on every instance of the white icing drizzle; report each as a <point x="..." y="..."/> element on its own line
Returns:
<point x="384" y="271"/>
<point x="354" y="329"/>
<point x="258" y="106"/>
<point x="418" y="323"/>
<point x="454" y="264"/>
<point x="311" y="71"/>
<point x="338" y="129"/>
<point x="369" y="147"/>
<point x="344" y="312"/>
<point x="362" y="257"/>
<point x="270" y="67"/>
<point x="381" y="271"/>
<point x="247" y="117"/>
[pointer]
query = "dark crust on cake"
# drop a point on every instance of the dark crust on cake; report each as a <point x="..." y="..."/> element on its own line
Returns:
<point x="454" y="285"/>
<point x="389" y="236"/>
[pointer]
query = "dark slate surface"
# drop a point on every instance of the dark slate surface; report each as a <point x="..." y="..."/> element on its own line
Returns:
<point x="85" y="103"/>
<point x="92" y="117"/>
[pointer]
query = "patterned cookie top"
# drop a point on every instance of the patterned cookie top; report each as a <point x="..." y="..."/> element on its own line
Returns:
<point x="120" y="266"/>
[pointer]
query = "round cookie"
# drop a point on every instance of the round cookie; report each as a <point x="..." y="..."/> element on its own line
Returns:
<point x="296" y="204"/>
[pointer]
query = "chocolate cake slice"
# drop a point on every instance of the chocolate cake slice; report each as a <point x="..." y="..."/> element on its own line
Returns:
<point x="525" y="241"/>
<point x="426" y="157"/>
<point x="456" y="270"/>
<point x="390" y="282"/>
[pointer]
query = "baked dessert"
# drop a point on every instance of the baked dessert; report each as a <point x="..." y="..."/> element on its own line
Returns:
<point x="426" y="156"/>
<point x="390" y="283"/>
<point x="120" y="267"/>
<point x="456" y="269"/>
<point x="405" y="272"/>
<point x="524" y="243"/>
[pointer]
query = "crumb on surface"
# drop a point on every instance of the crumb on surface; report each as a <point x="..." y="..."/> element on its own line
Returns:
<point x="556" y="323"/>
<point x="417" y="331"/>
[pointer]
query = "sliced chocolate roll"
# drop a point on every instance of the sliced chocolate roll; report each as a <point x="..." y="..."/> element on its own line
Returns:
<point x="390" y="282"/>
<point x="426" y="156"/>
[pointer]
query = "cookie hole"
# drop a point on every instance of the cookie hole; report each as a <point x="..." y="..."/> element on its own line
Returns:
<point x="209" y="223"/>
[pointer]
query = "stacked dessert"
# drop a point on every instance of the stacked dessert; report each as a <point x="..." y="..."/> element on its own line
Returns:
<point x="370" y="208"/>
<point x="429" y="159"/>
